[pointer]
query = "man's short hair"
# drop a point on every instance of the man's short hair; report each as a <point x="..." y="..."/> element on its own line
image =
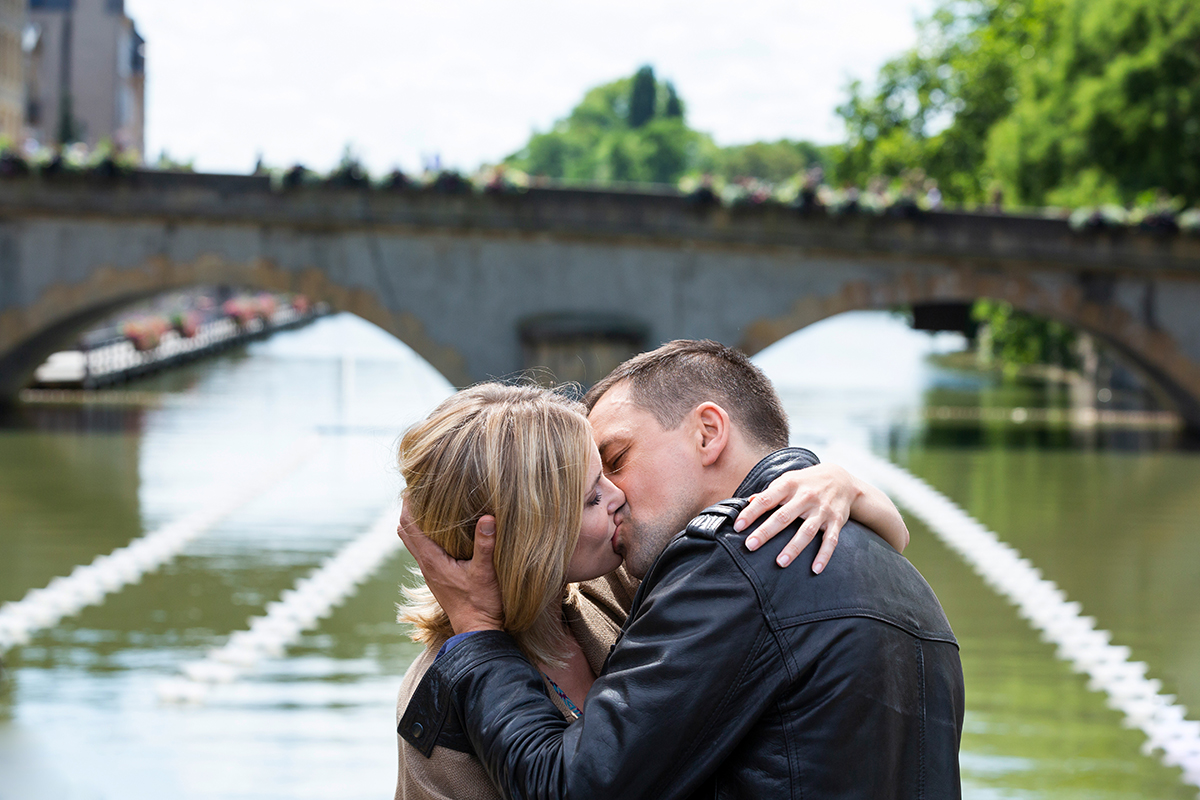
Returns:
<point x="671" y="381"/>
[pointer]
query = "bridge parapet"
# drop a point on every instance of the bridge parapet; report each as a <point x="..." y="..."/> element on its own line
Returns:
<point x="664" y="217"/>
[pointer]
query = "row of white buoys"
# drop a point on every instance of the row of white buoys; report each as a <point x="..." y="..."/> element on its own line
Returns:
<point x="89" y="584"/>
<point x="298" y="609"/>
<point x="1047" y="608"/>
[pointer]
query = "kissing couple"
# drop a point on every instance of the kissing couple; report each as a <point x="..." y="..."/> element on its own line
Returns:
<point x="607" y="612"/>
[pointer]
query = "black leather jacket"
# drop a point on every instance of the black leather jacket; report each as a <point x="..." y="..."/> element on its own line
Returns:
<point x="731" y="678"/>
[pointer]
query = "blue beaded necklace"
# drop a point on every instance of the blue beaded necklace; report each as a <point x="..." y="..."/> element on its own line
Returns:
<point x="566" y="700"/>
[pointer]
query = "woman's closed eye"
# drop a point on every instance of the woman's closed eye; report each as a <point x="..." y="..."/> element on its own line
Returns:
<point x="594" y="500"/>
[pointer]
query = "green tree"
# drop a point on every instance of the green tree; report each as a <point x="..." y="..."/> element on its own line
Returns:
<point x="607" y="138"/>
<point x="1071" y="101"/>
<point x="643" y="97"/>
<point x="934" y="106"/>
<point x="600" y="142"/>
<point x="668" y="144"/>
<point x="769" y="161"/>
<point x="1108" y="108"/>
<point x="1018" y="339"/>
<point x="673" y="108"/>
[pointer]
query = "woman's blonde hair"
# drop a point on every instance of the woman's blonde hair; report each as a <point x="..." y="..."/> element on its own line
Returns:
<point x="519" y="453"/>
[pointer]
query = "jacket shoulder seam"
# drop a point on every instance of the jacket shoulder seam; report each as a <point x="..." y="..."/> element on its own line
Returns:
<point x="867" y="613"/>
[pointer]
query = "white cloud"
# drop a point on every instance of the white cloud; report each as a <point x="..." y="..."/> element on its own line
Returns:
<point x="469" y="79"/>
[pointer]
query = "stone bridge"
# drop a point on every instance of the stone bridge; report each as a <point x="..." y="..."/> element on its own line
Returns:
<point x="487" y="284"/>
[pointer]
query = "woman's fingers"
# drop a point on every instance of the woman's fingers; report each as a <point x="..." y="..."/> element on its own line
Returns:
<point x="820" y="495"/>
<point x="819" y="519"/>
<point x="785" y="515"/>
<point x="803" y="536"/>
<point x="758" y="504"/>
<point x="828" y="544"/>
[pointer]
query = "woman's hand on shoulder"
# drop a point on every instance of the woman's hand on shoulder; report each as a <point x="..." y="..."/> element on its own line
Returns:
<point x="824" y="496"/>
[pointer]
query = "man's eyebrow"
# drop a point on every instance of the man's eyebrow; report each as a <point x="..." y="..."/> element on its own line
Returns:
<point x="608" y="445"/>
<point x="611" y="449"/>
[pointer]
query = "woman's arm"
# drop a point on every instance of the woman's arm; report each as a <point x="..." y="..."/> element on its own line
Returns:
<point x="825" y="496"/>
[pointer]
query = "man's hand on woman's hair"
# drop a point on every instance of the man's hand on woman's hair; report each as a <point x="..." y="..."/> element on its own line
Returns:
<point x="466" y="590"/>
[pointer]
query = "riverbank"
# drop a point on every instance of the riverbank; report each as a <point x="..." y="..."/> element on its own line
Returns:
<point x="122" y="358"/>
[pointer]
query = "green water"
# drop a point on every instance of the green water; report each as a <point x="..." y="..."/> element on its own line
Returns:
<point x="1033" y="729"/>
<point x="1112" y="519"/>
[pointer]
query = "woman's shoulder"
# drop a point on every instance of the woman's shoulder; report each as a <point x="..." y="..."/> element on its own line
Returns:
<point x="596" y="612"/>
<point x="611" y="594"/>
<point x="412" y="677"/>
<point x="446" y="774"/>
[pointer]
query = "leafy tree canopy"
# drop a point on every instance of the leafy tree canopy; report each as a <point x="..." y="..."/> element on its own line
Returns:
<point x="643" y="97"/>
<point x="635" y="129"/>
<point x="632" y="129"/>
<point x="1072" y="102"/>
<point x="770" y="161"/>
<point x="1016" y="338"/>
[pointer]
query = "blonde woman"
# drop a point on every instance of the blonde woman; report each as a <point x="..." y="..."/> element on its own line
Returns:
<point x="519" y="462"/>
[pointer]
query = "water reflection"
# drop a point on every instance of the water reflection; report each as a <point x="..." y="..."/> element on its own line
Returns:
<point x="1009" y="435"/>
<point x="73" y="418"/>
<point x="63" y="499"/>
<point x="1107" y="513"/>
<point x="82" y="716"/>
<point x="1109" y="516"/>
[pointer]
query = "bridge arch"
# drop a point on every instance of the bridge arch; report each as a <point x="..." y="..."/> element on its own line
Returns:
<point x="29" y="335"/>
<point x="456" y="277"/>
<point x="1152" y="351"/>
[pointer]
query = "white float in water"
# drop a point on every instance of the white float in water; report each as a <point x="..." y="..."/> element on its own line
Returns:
<point x="298" y="609"/>
<point x="88" y="585"/>
<point x="1045" y="606"/>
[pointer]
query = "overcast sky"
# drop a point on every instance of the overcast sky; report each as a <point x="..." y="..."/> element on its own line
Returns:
<point x="297" y="80"/>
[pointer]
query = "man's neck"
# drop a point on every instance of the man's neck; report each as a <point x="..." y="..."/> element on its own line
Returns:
<point x="731" y="473"/>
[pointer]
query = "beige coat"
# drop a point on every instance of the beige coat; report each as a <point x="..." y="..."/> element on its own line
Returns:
<point x="595" y="620"/>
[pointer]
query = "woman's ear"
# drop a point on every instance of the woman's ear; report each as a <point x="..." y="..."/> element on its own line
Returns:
<point x="714" y="428"/>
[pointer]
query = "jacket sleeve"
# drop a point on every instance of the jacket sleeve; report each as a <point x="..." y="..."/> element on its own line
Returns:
<point x="693" y="671"/>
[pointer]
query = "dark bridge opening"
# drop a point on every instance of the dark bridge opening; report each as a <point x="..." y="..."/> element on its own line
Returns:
<point x="955" y="317"/>
<point x="1071" y="379"/>
<point x="578" y="347"/>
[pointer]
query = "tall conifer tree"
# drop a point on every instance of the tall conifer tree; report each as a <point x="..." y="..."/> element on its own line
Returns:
<point x="642" y="97"/>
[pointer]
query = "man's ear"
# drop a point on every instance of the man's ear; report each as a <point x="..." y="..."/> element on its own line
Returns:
<point x="714" y="429"/>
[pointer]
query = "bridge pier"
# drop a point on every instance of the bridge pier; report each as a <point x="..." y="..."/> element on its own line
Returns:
<point x="578" y="348"/>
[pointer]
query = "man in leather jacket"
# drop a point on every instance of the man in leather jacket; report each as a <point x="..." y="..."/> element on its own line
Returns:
<point x="732" y="677"/>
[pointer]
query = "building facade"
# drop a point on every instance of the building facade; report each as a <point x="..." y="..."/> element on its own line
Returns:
<point x="12" y="89"/>
<point x="85" y="74"/>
